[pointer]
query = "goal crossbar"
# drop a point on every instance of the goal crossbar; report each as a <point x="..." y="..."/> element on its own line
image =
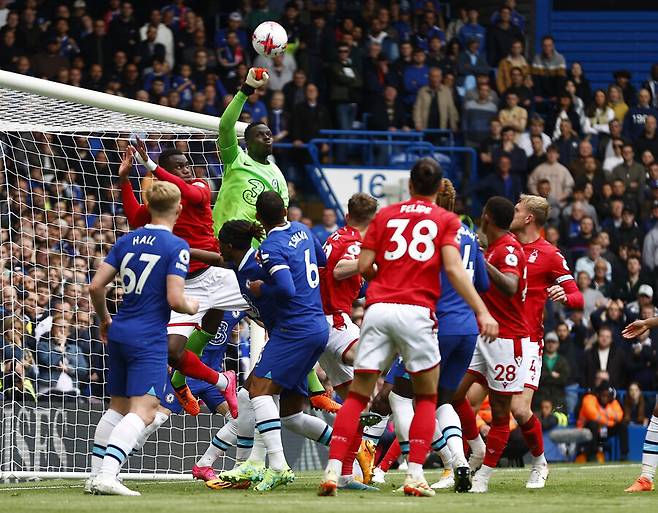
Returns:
<point x="110" y="102"/>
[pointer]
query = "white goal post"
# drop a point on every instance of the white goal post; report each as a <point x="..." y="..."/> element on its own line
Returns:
<point x="59" y="153"/>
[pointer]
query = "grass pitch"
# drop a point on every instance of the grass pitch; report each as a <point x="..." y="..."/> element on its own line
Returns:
<point x="570" y="488"/>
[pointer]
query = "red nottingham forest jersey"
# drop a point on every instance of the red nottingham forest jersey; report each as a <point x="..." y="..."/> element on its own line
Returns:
<point x="546" y="267"/>
<point x="338" y="295"/>
<point x="507" y="256"/>
<point x="407" y="238"/>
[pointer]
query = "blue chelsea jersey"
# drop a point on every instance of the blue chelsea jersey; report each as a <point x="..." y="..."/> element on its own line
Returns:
<point x="293" y="248"/>
<point x="453" y="313"/>
<point x="263" y="307"/>
<point x="144" y="258"/>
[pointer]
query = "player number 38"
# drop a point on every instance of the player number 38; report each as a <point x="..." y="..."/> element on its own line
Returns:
<point x="421" y="247"/>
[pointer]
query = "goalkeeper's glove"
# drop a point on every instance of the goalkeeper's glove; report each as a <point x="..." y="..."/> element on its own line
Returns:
<point x="256" y="77"/>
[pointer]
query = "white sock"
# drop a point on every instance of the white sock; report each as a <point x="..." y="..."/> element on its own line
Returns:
<point x="121" y="442"/>
<point x="539" y="460"/>
<point x="374" y="433"/>
<point x="416" y="471"/>
<point x="308" y="426"/>
<point x="403" y="413"/>
<point x="268" y="424"/>
<point x="222" y="382"/>
<point x="451" y="428"/>
<point x="160" y="418"/>
<point x="485" y="472"/>
<point x="245" y="427"/>
<point x="439" y="445"/>
<point x="104" y="429"/>
<point x="650" y="450"/>
<point x="258" y="451"/>
<point x="477" y="445"/>
<point x="335" y="466"/>
<point x="223" y="439"/>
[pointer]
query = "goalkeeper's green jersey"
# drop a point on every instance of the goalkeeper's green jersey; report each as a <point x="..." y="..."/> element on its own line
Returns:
<point x="244" y="178"/>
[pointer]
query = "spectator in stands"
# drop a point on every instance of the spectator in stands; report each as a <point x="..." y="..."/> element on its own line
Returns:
<point x="149" y="50"/>
<point x="605" y="148"/>
<point x="629" y="171"/>
<point x="623" y="81"/>
<point x="567" y="143"/>
<point x="434" y="106"/>
<point x="512" y="115"/>
<point x="563" y="110"/>
<point x="501" y="183"/>
<point x="651" y="85"/>
<point x="614" y="160"/>
<point x="644" y="299"/>
<point x="549" y="71"/>
<point x="650" y="248"/>
<point x="388" y="112"/>
<point x="635" y="410"/>
<point x="415" y="76"/>
<point x="473" y="31"/>
<point x="455" y="25"/>
<point x="648" y="139"/>
<point x="517" y="86"/>
<point x="477" y="116"/>
<point x="489" y="145"/>
<point x="578" y="104"/>
<point x="517" y="19"/>
<point x="628" y="286"/>
<point x="554" y="372"/>
<point x="524" y="140"/>
<point x="561" y="180"/>
<point x="47" y="64"/>
<point x="164" y="35"/>
<point x="472" y="94"/>
<point x="594" y="299"/>
<point x="603" y="355"/>
<point x="602" y="414"/>
<point x="470" y="63"/>
<point x="599" y="115"/>
<point x="501" y="37"/>
<point x="61" y="363"/>
<point x="616" y="102"/>
<point x="583" y="88"/>
<point x="328" y="225"/>
<point x="509" y="148"/>
<point x="278" y="119"/>
<point x="602" y="277"/>
<point x="636" y="117"/>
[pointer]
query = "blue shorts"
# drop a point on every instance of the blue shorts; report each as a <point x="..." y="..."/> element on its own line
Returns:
<point x="397" y="370"/>
<point x="287" y="359"/>
<point x="456" y="354"/>
<point x="136" y="370"/>
<point x="208" y="393"/>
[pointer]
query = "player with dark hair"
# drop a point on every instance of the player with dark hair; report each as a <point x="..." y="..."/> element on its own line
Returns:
<point x="215" y="288"/>
<point x="246" y="175"/>
<point x="401" y="256"/>
<point x="498" y="364"/>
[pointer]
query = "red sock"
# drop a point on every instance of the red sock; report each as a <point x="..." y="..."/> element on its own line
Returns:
<point x="467" y="416"/>
<point x="191" y="366"/>
<point x="496" y="441"/>
<point x="391" y="455"/>
<point x="346" y="425"/>
<point x="348" y="462"/>
<point x="422" y="427"/>
<point x="533" y="436"/>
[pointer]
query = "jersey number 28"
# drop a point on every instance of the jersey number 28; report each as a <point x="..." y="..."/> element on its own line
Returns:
<point x="421" y="247"/>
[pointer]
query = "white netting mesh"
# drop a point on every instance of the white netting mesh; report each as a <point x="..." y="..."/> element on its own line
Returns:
<point x="60" y="212"/>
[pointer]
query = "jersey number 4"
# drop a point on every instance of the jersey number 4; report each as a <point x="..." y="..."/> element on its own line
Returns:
<point x="131" y="283"/>
<point x="422" y="236"/>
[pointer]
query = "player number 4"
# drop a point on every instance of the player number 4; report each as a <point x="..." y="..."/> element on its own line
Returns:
<point x="129" y="278"/>
<point x="422" y="236"/>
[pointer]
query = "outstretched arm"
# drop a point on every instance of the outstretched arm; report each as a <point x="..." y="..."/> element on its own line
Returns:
<point x="227" y="139"/>
<point x="137" y="215"/>
<point x="207" y="257"/>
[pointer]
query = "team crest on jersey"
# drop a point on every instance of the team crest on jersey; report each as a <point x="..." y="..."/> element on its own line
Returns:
<point x="169" y="398"/>
<point x="533" y="256"/>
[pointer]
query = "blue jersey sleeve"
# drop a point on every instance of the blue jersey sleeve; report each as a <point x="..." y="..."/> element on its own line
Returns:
<point x="114" y="256"/>
<point x="320" y="255"/>
<point x="179" y="259"/>
<point x="275" y="263"/>
<point x="481" y="278"/>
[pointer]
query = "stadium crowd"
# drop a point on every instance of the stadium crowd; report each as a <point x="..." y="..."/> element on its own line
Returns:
<point x="535" y="122"/>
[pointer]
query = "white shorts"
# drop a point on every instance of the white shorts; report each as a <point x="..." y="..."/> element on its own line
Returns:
<point x="500" y="364"/>
<point x="532" y="352"/>
<point x="215" y="288"/>
<point x="391" y="329"/>
<point x="341" y="339"/>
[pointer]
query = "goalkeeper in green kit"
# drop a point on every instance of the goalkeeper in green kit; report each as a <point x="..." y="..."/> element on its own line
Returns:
<point x="246" y="175"/>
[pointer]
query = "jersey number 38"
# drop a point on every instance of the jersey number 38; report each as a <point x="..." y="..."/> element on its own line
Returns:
<point x="421" y="246"/>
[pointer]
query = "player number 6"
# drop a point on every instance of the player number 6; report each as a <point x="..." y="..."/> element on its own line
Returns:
<point x="312" y="272"/>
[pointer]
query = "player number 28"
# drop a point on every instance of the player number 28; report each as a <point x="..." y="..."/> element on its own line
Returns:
<point x="509" y="372"/>
<point x="128" y="277"/>
<point x="420" y="248"/>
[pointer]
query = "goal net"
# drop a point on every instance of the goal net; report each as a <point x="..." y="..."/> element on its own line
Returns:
<point x="60" y="212"/>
